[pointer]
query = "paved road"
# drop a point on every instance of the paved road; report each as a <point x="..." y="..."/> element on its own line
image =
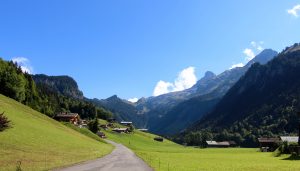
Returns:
<point x="121" y="159"/>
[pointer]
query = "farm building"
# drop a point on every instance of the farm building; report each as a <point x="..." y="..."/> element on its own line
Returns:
<point x="268" y="144"/>
<point x="126" y="123"/>
<point x="215" y="144"/>
<point x="121" y="130"/>
<point x="68" y="117"/>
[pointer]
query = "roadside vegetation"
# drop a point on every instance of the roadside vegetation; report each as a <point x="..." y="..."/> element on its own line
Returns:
<point x="169" y="156"/>
<point x="37" y="142"/>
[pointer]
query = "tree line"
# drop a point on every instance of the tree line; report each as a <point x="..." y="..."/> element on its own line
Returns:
<point x="16" y="84"/>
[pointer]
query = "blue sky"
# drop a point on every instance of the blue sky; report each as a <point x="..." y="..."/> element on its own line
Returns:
<point x="129" y="47"/>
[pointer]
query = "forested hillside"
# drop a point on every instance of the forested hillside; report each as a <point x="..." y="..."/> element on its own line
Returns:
<point x="49" y="96"/>
<point x="263" y="103"/>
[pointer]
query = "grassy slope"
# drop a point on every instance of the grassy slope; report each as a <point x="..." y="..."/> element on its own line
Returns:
<point x="41" y="143"/>
<point x="170" y="156"/>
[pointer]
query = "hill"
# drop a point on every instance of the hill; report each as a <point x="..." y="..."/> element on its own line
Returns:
<point x="264" y="102"/>
<point x="123" y="110"/>
<point x="41" y="143"/>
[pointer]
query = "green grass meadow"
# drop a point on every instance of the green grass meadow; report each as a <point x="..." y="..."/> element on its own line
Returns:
<point x="41" y="143"/>
<point x="168" y="156"/>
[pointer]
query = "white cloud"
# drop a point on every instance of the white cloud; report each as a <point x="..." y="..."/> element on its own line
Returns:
<point x="162" y="87"/>
<point x="185" y="79"/>
<point x="133" y="100"/>
<point x="255" y="48"/>
<point x="237" y="65"/>
<point x="24" y="63"/>
<point x="249" y="54"/>
<point x="294" y="11"/>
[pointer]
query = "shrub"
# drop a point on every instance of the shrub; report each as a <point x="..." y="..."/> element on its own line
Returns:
<point x="4" y="122"/>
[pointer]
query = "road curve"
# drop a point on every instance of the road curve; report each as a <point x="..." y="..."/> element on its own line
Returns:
<point x="121" y="159"/>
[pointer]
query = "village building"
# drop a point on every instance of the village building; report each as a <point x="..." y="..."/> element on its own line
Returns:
<point x="120" y="130"/>
<point x="73" y="118"/>
<point x="268" y="144"/>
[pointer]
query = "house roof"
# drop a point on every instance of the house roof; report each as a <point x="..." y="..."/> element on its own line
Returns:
<point x="223" y="143"/>
<point x="215" y="143"/>
<point x="211" y="142"/>
<point x="290" y="139"/>
<point x="120" y="129"/>
<point x="270" y="140"/>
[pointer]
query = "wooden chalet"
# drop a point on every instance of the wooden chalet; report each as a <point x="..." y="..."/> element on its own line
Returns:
<point x="120" y="130"/>
<point x="73" y="118"/>
<point x="268" y="144"/>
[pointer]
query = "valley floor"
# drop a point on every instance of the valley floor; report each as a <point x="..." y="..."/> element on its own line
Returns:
<point x="168" y="156"/>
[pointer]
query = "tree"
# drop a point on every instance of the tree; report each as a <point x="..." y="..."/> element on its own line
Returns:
<point x="4" y="122"/>
<point x="93" y="125"/>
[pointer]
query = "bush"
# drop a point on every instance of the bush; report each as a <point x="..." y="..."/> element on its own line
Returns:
<point x="4" y="122"/>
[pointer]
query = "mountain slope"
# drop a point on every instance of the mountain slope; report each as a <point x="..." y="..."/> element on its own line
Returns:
<point x="63" y="85"/>
<point x="203" y="97"/>
<point x="123" y="110"/>
<point x="41" y="143"/>
<point x="264" y="102"/>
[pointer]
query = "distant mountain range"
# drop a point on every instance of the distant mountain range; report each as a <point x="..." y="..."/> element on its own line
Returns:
<point x="263" y="103"/>
<point x="173" y="112"/>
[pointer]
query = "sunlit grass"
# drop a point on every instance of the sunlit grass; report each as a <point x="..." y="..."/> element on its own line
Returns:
<point x="41" y="143"/>
<point x="168" y="156"/>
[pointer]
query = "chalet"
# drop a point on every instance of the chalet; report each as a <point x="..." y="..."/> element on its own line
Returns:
<point x="101" y="134"/>
<point x="126" y="123"/>
<point x="268" y="144"/>
<point x="215" y="144"/>
<point x="120" y="130"/>
<point x="68" y="117"/>
<point x="160" y="139"/>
